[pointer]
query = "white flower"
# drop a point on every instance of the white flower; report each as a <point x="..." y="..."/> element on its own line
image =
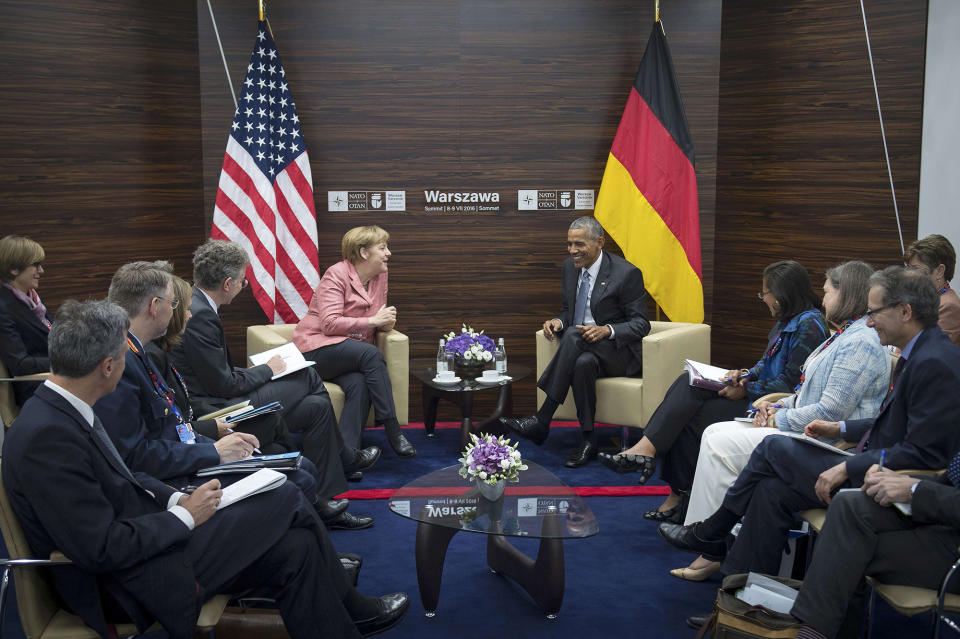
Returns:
<point x="483" y="474"/>
<point x="487" y="356"/>
<point x="463" y="330"/>
<point x="505" y="463"/>
<point x="467" y="355"/>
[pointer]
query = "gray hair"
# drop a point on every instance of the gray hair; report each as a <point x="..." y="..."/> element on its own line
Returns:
<point x="135" y="284"/>
<point x="903" y="286"/>
<point x="590" y="225"/>
<point x="216" y="260"/>
<point x="84" y="334"/>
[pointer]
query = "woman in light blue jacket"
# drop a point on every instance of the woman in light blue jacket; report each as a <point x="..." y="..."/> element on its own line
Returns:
<point x="846" y="377"/>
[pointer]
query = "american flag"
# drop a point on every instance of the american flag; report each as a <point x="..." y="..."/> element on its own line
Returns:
<point x="265" y="195"/>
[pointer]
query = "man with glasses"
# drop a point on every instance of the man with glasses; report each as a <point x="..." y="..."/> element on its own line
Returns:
<point x="918" y="427"/>
<point x="934" y="257"/>
<point x="204" y="361"/>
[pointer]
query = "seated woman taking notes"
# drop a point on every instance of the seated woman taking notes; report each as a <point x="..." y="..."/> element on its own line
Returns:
<point x="347" y="309"/>
<point x="673" y="432"/>
<point x="846" y="377"/>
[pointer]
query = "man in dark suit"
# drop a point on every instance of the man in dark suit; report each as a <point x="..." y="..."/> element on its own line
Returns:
<point x="601" y="326"/>
<point x="918" y="427"/>
<point x="141" y="550"/>
<point x="207" y="368"/>
<point x="146" y="425"/>
<point x="864" y="536"/>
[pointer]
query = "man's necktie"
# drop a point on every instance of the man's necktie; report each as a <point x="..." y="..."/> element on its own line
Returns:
<point x="893" y="381"/>
<point x="583" y="297"/>
<point x="110" y="451"/>
<point x="953" y="470"/>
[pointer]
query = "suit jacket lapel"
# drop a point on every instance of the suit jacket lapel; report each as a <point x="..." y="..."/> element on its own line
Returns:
<point x="26" y="316"/>
<point x="57" y="401"/>
<point x="199" y="296"/>
<point x="357" y="285"/>
<point x="600" y="286"/>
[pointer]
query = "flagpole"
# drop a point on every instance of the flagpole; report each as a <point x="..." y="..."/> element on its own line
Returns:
<point x="260" y="3"/>
<point x="656" y="11"/>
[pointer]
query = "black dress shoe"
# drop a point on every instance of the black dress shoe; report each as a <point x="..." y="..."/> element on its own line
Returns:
<point x="364" y="459"/>
<point x="392" y="609"/>
<point x="348" y="521"/>
<point x="584" y="453"/>
<point x="329" y="509"/>
<point x="696" y="621"/>
<point x="527" y="427"/>
<point x="351" y="557"/>
<point x="401" y="445"/>
<point x="684" y="538"/>
<point x="354" y="476"/>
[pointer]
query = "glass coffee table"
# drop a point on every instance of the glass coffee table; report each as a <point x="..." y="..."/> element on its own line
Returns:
<point x="461" y="393"/>
<point x="540" y="507"/>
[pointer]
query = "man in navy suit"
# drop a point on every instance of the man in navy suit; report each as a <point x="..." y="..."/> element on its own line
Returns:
<point x="141" y="550"/>
<point x="602" y="323"/>
<point x="205" y="363"/>
<point x="918" y="427"/>
<point x="146" y="425"/>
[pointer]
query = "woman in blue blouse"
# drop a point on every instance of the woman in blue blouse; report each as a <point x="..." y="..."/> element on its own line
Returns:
<point x="673" y="432"/>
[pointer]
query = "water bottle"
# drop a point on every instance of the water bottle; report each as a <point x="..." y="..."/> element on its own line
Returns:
<point x="441" y="359"/>
<point x="500" y="358"/>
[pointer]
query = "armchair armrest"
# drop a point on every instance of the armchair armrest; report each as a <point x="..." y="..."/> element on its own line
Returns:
<point x="665" y="351"/>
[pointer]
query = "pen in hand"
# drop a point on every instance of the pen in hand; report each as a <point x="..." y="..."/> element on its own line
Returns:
<point x="883" y="459"/>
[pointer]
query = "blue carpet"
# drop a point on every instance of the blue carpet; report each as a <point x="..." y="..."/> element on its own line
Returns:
<point x="616" y="582"/>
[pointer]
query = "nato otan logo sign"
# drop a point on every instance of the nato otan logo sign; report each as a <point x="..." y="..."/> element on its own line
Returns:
<point x="366" y="200"/>
<point x="554" y="199"/>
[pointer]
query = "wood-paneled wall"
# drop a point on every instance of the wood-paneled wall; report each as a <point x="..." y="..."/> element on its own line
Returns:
<point x="479" y="95"/>
<point x="101" y="158"/>
<point x="801" y="172"/>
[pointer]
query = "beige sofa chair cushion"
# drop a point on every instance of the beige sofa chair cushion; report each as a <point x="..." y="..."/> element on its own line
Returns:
<point x="630" y="401"/>
<point x="394" y="345"/>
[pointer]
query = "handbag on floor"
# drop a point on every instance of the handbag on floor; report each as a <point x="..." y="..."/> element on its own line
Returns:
<point x="733" y="618"/>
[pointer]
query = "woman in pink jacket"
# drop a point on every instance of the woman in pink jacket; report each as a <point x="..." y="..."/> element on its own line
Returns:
<point x="347" y="309"/>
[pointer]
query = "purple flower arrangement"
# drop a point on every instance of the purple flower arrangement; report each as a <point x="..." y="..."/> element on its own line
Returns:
<point x="470" y="346"/>
<point x="490" y="459"/>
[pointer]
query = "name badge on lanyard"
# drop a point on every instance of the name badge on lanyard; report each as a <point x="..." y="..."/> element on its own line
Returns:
<point x="185" y="433"/>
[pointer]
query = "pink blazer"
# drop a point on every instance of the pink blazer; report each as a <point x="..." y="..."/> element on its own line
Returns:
<point x="340" y="308"/>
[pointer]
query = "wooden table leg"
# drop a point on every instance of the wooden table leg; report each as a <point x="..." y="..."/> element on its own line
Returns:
<point x="543" y="579"/>
<point x="431" y="544"/>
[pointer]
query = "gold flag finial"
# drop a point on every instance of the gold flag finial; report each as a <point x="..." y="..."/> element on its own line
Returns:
<point x="260" y="2"/>
<point x="656" y="11"/>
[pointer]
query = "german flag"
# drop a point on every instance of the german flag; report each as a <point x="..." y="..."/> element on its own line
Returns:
<point x="648" y="197"/>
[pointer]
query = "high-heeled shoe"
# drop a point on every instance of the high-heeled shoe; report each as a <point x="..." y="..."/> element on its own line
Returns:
<point x="630" y="463"/>
<point x="696" y="574"/>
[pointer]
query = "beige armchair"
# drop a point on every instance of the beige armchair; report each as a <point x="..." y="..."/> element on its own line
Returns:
<point x="394" y="345"/>
<point x="630" y="401"/>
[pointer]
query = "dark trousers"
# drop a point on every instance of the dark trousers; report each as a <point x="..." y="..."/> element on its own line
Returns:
<point x="307" y="410"/>
<point x="773" y="487"/>
<point x="358" y="368"/>
<point x="291" y="560"/>
<point x="677" y="425"/>
<point x="577" y="365"/>
<point x="863" y="538"/>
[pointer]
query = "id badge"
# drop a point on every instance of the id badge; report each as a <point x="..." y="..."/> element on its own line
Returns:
<point x="185" y="433"/>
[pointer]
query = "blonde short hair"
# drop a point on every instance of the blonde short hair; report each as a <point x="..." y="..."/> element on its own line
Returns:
<point x="361" y="237"/>
<point x="182" y="292"/>
<point x="17" y="253"/>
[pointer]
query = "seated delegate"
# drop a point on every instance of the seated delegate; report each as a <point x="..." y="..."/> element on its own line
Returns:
<point x="673" y="432"/>
<point x="347" y="310"/>
<point x="934" y="257"/>
<point x="24" y="321"/>
<point x="846" y="377"/>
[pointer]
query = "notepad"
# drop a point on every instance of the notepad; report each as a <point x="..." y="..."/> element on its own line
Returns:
<point x="259" y="482"/>
<point x="227" y="411"/>
<point x="706" y="376"/>
<point x="816" y="442"/>
<point x="290" y="355"/>
<point x="285" y="462"/>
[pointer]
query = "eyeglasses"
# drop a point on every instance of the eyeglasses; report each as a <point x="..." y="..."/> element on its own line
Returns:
<point x="872" y="314"/>
<point x="762" y="294"/>
<point x="174" y="303"/>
